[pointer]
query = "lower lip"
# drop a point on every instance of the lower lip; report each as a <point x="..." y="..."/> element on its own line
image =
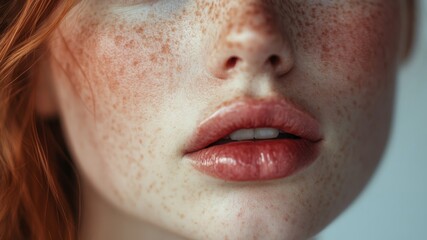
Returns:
<point x="255" y="160"/>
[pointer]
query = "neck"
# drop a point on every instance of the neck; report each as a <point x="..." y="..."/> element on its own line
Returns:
<point x="102" y="220"/>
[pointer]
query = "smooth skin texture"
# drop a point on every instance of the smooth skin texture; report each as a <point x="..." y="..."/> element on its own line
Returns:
<point x="131" y="80"/>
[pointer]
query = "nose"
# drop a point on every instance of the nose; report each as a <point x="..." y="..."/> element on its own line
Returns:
<point x="250" y="41"/>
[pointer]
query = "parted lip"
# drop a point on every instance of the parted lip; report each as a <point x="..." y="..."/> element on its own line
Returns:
<point x="254" y="113"/>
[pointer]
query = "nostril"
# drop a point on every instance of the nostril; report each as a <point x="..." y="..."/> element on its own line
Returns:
<point x="274" y="61"/>
<point x="231" y="62"/>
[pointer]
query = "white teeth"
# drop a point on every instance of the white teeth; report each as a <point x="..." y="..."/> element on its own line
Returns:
<point x="266" y="133"/>
<point x="257" y="133"/>
<point x="242" y="134"/>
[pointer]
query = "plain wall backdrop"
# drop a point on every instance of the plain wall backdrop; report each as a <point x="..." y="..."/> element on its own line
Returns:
<point x="394" y="204"/>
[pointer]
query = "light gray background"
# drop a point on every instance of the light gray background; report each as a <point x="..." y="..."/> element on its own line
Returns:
<point x="394" y="205"/>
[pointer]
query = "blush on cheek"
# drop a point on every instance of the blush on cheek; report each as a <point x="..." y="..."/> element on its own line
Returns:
<point x="357" y="35"/>
<point x="135" y="62"/>
<point x="110" y="60"/>
<point x="361" y="43"/>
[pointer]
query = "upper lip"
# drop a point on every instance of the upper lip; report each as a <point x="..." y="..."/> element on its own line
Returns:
<point x="254" y="113"/>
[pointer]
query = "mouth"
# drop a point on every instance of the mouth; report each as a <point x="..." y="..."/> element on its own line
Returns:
<point x="254" y="140"/>
<point x="255" y="135"/>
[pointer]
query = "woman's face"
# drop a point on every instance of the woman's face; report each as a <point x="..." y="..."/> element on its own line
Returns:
<point x="134" y="80"/>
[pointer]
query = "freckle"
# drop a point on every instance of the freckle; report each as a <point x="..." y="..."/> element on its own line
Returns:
<point x="113" y="85"/>
<point x="136" y="62"/>
<point x="286" y="217"/>
<point x="325" y="48"/>
<point x="165" y="49"/>
<point x="118" y="40"/>
<point x="139" y="30"/>
<point x="142" y="75"/>
<point x="122" y="70"/>
<point x="166" y="208"/>
<point x="354" y="103"/>
<point x="138" y="176"/>
<point x="130" y="44"/>
<point x="158" y="130"/>
<point x="240" y="214"/>
<point x="150" y="187"/>
<point x="154" y="58"/>
<point x="179" y="68"/>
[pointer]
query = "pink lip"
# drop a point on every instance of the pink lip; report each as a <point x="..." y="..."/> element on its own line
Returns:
<point x="254" y="160"/>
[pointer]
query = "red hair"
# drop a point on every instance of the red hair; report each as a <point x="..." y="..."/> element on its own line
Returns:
<point x="38" y="187"/>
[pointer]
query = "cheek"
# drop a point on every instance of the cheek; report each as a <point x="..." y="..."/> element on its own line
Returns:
<point x="138" y="61"/>
<point x="121" y="61"/>
<point x="351" y="49"/>
<point x="351" y="52"/>
<point x="353" y="39"/>
<point x="117" y="77"/>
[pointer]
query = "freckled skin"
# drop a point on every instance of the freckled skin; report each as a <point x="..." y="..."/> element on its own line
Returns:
<point x="134" y="81"/>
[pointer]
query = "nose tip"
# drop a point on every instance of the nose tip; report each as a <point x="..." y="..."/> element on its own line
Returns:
<point x="253" y="45"/>
<point x="254" y="53"/>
